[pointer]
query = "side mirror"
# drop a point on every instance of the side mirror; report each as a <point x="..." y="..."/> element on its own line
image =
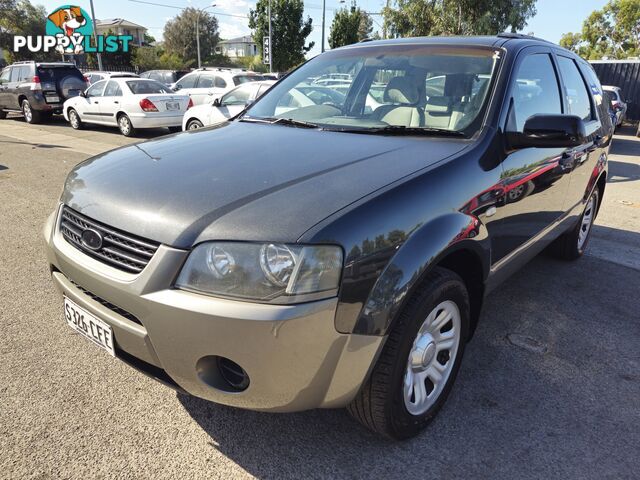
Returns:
<point x="217" y="102"/>
<point x="83" y="94"/>
<point x="549" y="131"/>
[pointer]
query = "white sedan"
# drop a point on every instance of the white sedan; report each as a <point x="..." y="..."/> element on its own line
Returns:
<point x="225" y="107"/>
<point x="129" y="104"/>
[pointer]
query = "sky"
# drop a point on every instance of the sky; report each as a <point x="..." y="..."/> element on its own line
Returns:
<point x="554" y="17"/>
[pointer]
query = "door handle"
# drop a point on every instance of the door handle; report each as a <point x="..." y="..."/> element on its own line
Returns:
<point x="597" y="141"/>
<point x="96" y="102"/>
<point x="116" y="102"/>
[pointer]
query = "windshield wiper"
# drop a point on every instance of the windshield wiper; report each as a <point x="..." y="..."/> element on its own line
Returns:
<point x="402" y="130"/>
<point x="280" y="121"/>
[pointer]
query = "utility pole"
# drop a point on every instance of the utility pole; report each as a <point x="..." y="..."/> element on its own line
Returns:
<point x="200" y="11"/>
<point x="270" y="42"/>
<point x="324" y="12"/>
<point x="95" y="35"/>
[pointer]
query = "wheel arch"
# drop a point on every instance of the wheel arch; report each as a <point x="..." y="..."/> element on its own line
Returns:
<point x="454" y="241"/>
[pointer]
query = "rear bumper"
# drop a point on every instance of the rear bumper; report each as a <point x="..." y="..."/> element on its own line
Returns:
<point x="157" y="120"/>
<point x="293" y="355"/>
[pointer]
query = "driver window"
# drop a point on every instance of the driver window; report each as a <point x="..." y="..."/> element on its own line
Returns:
<point x="535" y="91"/>
<point x="96" y="89"/>
<point x="4" y="76"/>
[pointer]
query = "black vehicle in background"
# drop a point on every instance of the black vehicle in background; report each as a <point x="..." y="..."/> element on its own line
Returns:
<point x="38" y="90"/>
<point x="168" y="77"/>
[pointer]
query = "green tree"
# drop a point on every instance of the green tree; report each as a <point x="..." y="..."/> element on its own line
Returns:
<point x="180" y="36"/>
<point x="289" y="31"/>
<point x="456" y="17"/>
<point x="349" y="26"/>
<point x="22" y="18"/>
<point x="613" y="32"/>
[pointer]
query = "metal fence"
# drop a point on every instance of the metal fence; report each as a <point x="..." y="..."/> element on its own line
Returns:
<point x="626" y="75"/>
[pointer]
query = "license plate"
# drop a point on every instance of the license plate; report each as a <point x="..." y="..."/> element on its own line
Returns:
<point x="173" y="106"/>
<point x="52" y="99"/>
<point x="89" y="326"/>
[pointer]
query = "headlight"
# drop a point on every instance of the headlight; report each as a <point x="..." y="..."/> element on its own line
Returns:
<point x="269" y="272"/>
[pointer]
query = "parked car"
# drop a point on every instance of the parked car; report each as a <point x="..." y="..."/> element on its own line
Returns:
<point x="206" y="84"/>
<point x="38" y="89"/>
<point x="328" y="256"/>
<point x="225" y="107"/>
<point x="94" y="77"/>
<point x="129" y="104"/>
<point x="168" y="77"/>
<point x="620" y="106"/>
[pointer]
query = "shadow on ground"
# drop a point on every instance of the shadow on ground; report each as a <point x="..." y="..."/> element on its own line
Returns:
<point x="564" y="409"/>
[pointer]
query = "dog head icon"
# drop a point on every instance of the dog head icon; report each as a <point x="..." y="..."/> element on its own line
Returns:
<point x="68" y="19"/>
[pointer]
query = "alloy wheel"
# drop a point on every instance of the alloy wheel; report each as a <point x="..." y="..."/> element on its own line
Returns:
<point x="26" y="110"/>
<point x="432" y="357"/>
<point x="587" y="222"/>
<point x="74" y="120"/>
<point x="124" y="124"/>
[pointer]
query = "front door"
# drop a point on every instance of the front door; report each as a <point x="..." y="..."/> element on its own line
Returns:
<point x="535" y="181"/>
<point x="89" y="109"/>
<point x="5" y="76"/>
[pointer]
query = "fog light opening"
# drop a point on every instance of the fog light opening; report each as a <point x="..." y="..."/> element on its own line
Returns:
<point x="233" y="374"/>
<point x="223" y="374"/>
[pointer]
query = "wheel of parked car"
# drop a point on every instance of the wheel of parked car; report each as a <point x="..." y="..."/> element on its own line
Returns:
<point x="194" y="125"/>
<point x="3" y="115"/>
<point x="126" y="128"/>
<point x="573" y="244"/>
<point x="74" y="119"/>
<point x="30" y="115"/>
<point x="420" y="360"/>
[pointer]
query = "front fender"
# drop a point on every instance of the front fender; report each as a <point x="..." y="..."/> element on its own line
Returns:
<point x="416" y="257"/>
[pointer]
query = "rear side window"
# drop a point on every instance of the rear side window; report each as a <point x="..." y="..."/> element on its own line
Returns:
<point x="19" y="74"/>
<point x="536" y="90"/>
<point x="49" y="74"/>
<point x="206" y="81"/>
<point x="220" y="83"/>
<point x="188" y="82"/>
<point x="239" y="79"/>
<point x="576" y="91"/>
<point x="113" y="90"/>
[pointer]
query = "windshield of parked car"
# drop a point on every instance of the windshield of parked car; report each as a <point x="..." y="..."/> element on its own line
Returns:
<point x="383" y="88"/>
<point x="146" y="87"/>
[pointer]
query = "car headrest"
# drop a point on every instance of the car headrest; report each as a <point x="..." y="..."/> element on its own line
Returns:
<point x="401" y="90"/>
<point x="438" y="105"/>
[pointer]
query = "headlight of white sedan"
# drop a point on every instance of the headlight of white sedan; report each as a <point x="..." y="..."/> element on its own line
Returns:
<point x="268" y="272"/>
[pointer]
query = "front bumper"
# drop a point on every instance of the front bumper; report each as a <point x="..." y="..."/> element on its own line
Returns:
<point x="293" y="355"/>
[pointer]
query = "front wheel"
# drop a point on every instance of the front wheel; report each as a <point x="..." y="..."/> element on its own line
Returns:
<point x="3" y="114"/>
<point x="419" y="361"/>
<point x="125" y="126"/>
<point x="74" y="119"/>
<point x="572" y="244"/>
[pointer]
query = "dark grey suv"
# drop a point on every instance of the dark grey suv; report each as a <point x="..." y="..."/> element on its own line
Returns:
<point x="337" y="254"/>
<point x="38" y="90"/>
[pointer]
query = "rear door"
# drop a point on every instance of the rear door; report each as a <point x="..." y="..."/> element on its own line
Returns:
<point x="18" y="73"/>
<point x="535" y="181"/>
<point x="583" y="97"/>
<point x="209" y="87"/>
<point x="111" y="102"/>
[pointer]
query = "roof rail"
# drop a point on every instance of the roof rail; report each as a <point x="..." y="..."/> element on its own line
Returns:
<point x="521" y="36"/>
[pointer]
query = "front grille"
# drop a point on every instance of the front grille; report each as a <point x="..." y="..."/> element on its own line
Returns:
<point x="114" y="308"/>
<point x="120" y="250"/>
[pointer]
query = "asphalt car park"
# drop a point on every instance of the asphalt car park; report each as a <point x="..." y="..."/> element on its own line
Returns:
<point x="549" y="388"/>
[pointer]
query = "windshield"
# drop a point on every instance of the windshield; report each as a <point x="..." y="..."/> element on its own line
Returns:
<point x="382" y="88"/>
<point x="146" y="87"/>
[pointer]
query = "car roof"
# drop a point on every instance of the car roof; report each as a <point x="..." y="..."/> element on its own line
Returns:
<point x="510" y="41"/>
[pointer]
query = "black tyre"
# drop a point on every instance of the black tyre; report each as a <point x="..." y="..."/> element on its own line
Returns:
<point x="194" y="124"/>
<point x="74" y="120"/>
<point x="125" y="126"/>
<point x="572" y="244"/>
<point x="3" y="114"/>
<point x="30" y="115"/>
<point x="175" y="129"/>
<point x="419" y="361"/>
